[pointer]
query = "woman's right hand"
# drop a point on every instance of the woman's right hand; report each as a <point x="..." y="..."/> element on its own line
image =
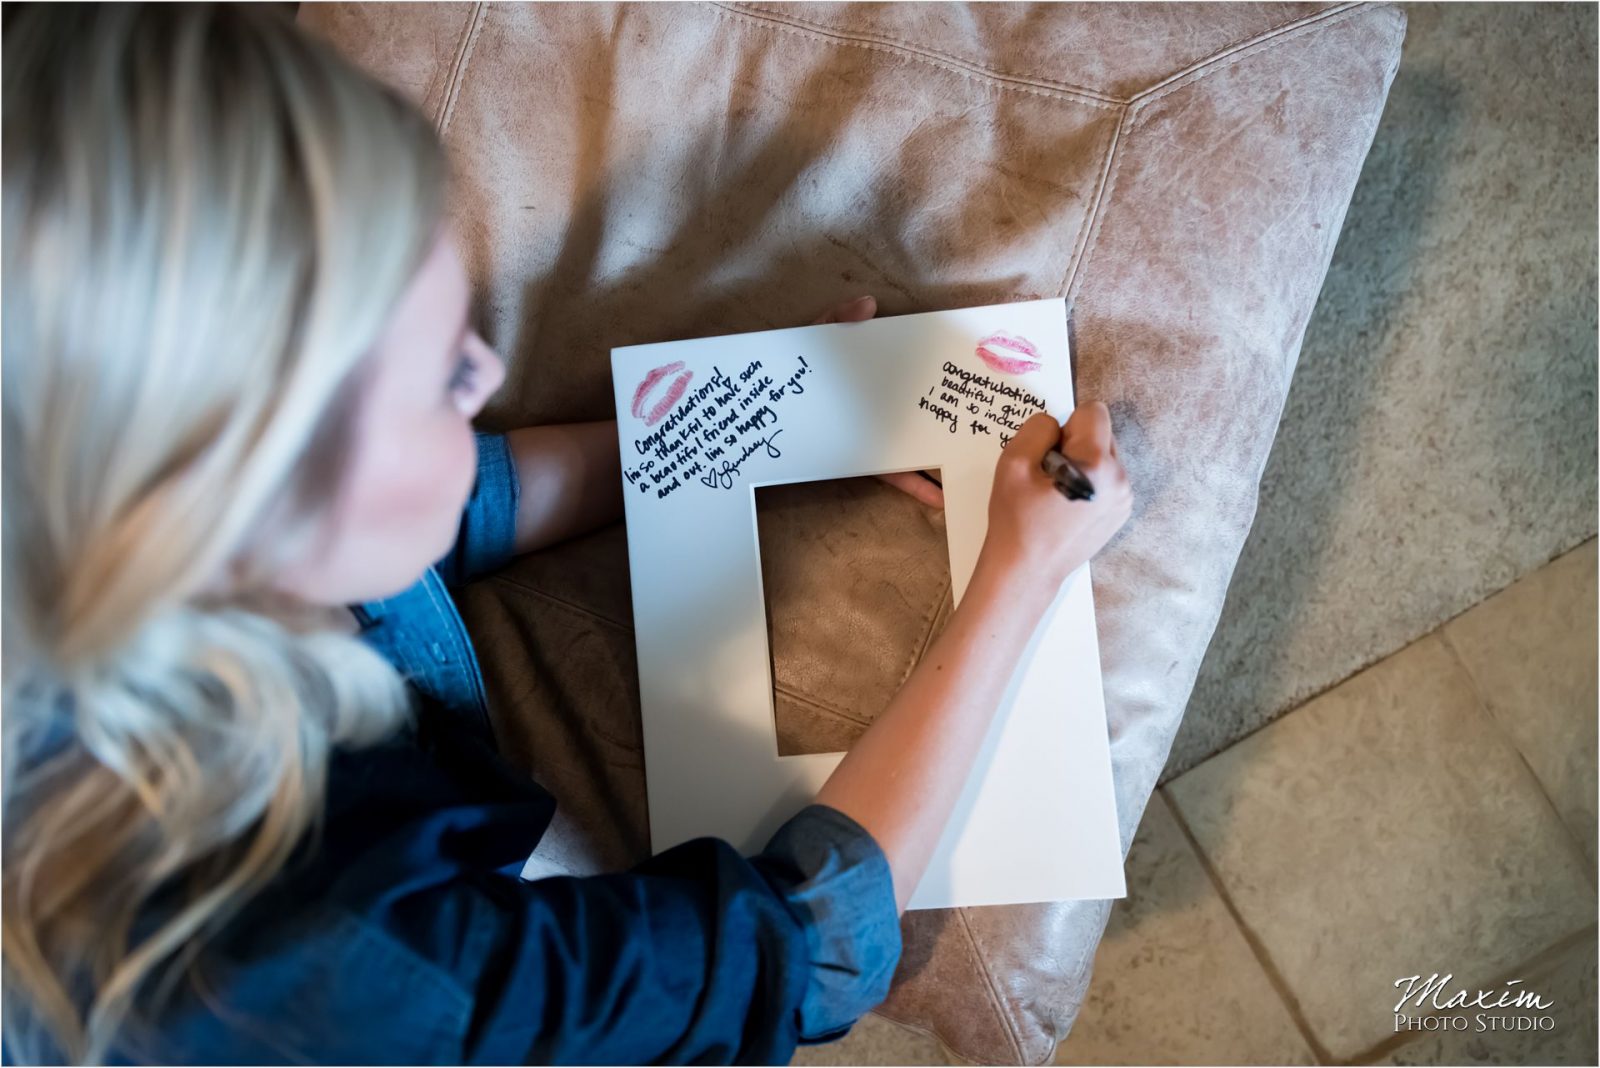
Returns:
<point x="1032" y="524"/>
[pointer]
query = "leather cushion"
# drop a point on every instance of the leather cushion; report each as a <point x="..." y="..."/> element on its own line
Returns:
<point x="636" y="173"/>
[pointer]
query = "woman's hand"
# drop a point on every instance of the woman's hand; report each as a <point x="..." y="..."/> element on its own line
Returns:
<point x="922" y="488"/>
<point x="1032" y="524"/>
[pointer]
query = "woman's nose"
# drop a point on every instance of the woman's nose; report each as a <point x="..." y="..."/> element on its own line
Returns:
<point x="494" y="368"/>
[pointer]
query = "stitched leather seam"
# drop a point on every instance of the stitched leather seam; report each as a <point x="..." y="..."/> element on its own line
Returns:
<point x="786" y="24"/>
<point x="1194" y="74"/>
<point x="1091" y="224"/>
<point x="1007" y="1025"/>
<point x="820" y="705"/>
<point x="577" y="609"/>
<point x="1093" y="230"/>
<point x="867" y="38"/>
<point x="924" y="50"/>
<point x="1265" y="38"/>
<point x="920" y="1029"/>
<point x="1085" y="958"/>
<point x="933" y="623"/>
<point x="940" y="615"/>
<point x="927" y="620"/>
<point x="458" y="73"/>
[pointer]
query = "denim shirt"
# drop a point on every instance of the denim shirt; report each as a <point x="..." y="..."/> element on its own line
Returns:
<point x="405" y="934"/>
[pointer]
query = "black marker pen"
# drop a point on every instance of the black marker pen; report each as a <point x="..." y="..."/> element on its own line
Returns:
<point x="1069" y="480"/>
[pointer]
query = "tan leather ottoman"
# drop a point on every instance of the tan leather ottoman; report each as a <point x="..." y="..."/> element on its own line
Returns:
<point x="636" y="173"/>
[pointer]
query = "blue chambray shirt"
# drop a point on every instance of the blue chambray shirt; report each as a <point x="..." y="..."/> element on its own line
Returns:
<point x="404" y="934"/>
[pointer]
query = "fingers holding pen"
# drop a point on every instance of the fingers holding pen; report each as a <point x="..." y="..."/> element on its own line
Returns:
<point x="1031" y="523"/>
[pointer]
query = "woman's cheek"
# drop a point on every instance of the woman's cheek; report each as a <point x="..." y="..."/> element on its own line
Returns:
<point x="427" y="483"/>
<point x="457" y="473"/>
<point x="468" y="464"/>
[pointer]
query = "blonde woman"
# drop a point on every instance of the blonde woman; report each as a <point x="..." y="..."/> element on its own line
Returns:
<point x="253" y="809"/>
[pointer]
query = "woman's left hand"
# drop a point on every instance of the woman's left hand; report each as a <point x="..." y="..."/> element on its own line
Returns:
<point x="923" y="489"/>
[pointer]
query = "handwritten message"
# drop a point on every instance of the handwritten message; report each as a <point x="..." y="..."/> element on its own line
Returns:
<point x="978" y="403"/>
<point x="715" y="428"/>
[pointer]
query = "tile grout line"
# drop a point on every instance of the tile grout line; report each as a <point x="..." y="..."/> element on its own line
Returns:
<point x="1280" y="986"/>
<point x="1314" y="695"/>
<point x="1500" y="731"/>
<point x="1258" y="949"/>
<point x="1367" y="666"/>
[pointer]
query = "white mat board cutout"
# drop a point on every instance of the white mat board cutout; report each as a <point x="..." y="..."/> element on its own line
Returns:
<point x="704" y="422"/>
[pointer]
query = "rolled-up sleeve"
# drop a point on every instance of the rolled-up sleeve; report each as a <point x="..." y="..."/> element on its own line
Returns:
<point x="695" y="955"/>
<point x="846" y="891"/>
<point x="487" y="535"/>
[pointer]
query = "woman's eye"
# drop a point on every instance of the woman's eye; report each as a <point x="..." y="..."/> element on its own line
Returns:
<point x="462" y="376"/>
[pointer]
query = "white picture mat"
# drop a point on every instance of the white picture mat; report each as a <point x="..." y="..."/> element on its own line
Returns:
<point x="1036" y="821"/>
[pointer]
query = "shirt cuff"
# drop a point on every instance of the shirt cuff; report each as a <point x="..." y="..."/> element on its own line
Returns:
<point x="840" y="883"/>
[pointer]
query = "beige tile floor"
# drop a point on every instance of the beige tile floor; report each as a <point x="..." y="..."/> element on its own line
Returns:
<point x="1432" y="814"/>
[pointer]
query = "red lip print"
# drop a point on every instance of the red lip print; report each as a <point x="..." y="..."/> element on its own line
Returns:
<point x="669" y="397"/>
<point x="1009" y="355"/>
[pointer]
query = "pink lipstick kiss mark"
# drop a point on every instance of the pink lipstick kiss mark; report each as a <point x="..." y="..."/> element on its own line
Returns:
<point x="669" y="397"/>
<point x="1009" y="355"/>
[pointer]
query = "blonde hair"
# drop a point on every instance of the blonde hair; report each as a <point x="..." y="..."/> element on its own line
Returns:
<point x="209" y="216"/>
